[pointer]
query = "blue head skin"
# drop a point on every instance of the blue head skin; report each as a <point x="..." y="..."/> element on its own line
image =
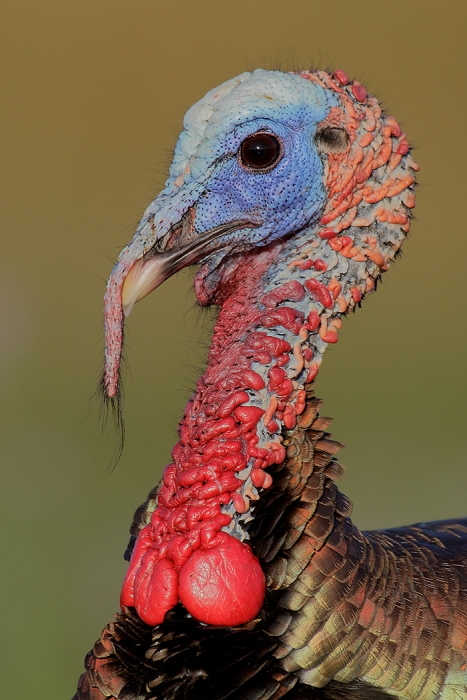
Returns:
<point x="207" y="172"/>
<point x="283" y="199"/>
<point x="210" y="186"/>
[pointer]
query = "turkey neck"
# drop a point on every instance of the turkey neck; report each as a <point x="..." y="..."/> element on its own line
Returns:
<point x="268" y="341"/>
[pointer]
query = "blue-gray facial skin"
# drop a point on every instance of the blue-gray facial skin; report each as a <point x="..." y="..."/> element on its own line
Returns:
<point x="207" y="170"/>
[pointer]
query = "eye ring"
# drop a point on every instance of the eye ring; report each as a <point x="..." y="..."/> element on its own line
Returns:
<point x="332" y="139"/>
<point x="260" y="152"/>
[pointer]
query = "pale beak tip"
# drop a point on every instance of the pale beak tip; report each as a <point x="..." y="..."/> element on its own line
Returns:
<point x="127" y="308"/>
<point x="142" y="278"/>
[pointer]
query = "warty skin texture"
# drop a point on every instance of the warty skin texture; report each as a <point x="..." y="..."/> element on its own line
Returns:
<point x="247" y="527"/>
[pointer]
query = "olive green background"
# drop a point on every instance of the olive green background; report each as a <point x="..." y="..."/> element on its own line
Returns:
<point x="93" y="94"/>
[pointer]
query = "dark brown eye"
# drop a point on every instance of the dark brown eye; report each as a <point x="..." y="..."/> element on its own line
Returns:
<point x="332" y="139"/>
<point x="260" y="151"/>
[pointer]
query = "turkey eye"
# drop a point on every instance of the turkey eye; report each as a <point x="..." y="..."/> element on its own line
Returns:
<point x="260" y="151"/>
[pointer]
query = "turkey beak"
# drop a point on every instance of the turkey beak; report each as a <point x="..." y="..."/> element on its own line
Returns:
<point x="157" y="265"/>
<point x="135" y="276"/>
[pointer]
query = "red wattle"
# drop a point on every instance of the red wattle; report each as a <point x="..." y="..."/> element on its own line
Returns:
<point x="156" y="591"/>
<point x="224" y="585"/>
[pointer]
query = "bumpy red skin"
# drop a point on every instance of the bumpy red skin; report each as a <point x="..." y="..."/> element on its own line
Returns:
<point x="223" y="583"/>
<point x="182" y="553"/>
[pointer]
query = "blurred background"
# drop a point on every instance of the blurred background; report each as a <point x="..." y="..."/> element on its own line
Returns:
<point x="93" y="95"/>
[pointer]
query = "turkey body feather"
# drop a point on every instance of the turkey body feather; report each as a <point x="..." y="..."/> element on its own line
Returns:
<point x="247" y="576"/>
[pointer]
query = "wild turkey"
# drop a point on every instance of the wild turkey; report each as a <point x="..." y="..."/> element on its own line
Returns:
<point x="247" y="578"/>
